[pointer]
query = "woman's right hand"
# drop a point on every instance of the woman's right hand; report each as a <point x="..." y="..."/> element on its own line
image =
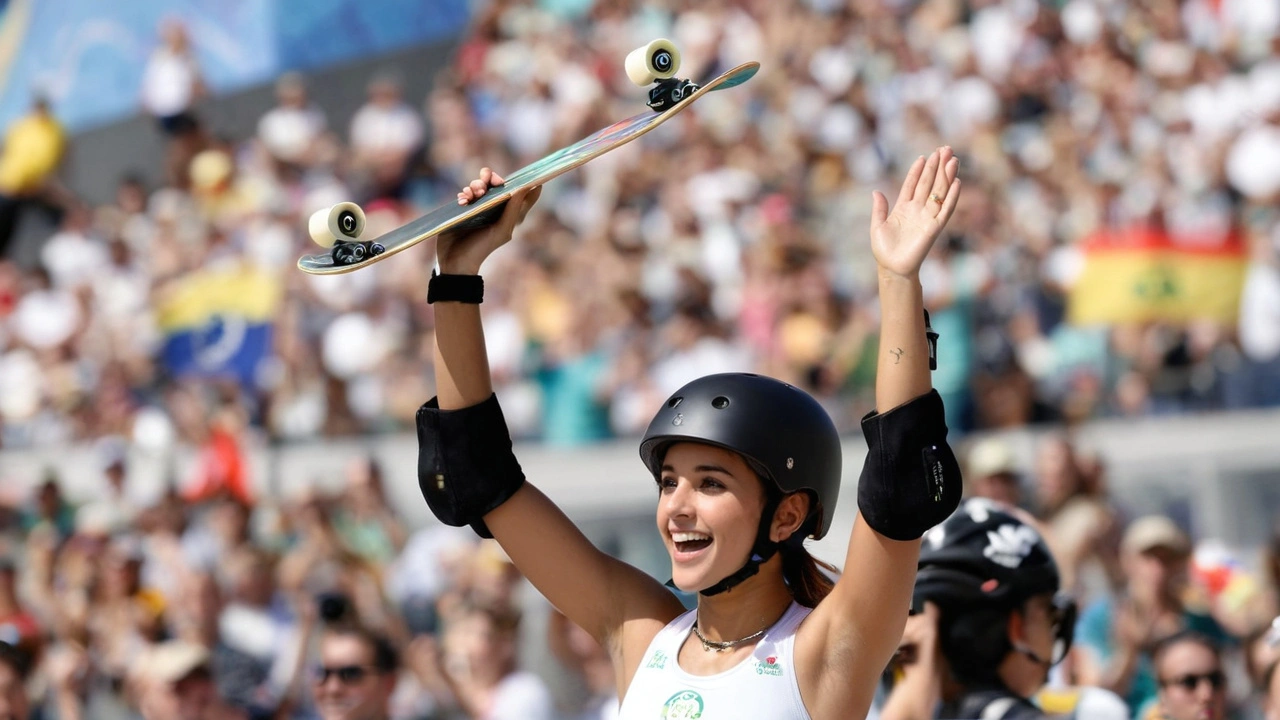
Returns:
<point x="462" y="252"/>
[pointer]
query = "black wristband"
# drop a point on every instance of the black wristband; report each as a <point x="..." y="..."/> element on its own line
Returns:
<point x="455" y="288"/>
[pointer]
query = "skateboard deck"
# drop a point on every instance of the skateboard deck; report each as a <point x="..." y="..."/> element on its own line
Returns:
<point x="487" y="209"/>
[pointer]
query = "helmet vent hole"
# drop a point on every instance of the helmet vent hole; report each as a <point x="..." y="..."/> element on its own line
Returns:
<point x="674" y="402"/>
<point x="720" y="402"/>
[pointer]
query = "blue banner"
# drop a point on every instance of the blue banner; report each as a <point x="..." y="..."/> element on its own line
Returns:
<point x="218" y="322"/>
<point x="228" y="347"/>
<point x="88" y="56"/>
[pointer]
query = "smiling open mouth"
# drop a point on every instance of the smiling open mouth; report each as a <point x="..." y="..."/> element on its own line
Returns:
<point x="688" y="542"/>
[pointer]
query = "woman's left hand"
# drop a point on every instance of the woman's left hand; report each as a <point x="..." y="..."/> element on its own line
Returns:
<point x="900" y="240"/>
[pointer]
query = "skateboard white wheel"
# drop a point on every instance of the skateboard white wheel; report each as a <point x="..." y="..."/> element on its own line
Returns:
<point x="343" y="221"/>
<point x="656" y="61"/>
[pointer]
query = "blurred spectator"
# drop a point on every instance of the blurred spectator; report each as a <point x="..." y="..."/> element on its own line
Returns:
<point x="356" y="675"/>
<point x="14" y="666"/>
<point x="1081" y="526"/>
<point x="293" y="130"/>
<point x="1268" y="600"/>
<point x="258" y="639"/>
<point x="430" y="565"/>
<point x="171" y="83"/>
<point x="171" y="86"/>
<point x="993" y="473"/>
<point x="114" y="505"/>
<point x="581" y="655"/>
<point x="49" y="513"/>
<point x="365" y="522"/>
<point x="386" y="134"/>
<point x="1261" y="655"/>
<point x="18" y="627"/>
<point x="33" y="150"/>
<point x="1193" y="683"/>
<point x="479" y="660"/>
<point x="174" y="681"/>
<point x="1116" y="636"/>
<point x="1270" y="677"/>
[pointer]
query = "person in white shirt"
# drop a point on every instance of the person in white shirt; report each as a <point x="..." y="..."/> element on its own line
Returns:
<point x="171" y="82"/>
<point x="744" y="468"/>
<point x="386" y="134"/>
<point x="1257" y="384"/>
<point x="171" y="86"/>
<point x="292" y="130"/>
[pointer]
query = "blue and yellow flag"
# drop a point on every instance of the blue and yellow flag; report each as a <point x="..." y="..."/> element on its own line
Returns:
<point x="217" y="323"/>
<point x="1141" y="275"/>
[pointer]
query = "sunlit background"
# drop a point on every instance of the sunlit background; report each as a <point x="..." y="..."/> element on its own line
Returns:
<point x="197" y="440"/>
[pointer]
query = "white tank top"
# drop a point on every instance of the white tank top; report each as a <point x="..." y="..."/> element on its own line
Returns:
<point x="763" y="685"/>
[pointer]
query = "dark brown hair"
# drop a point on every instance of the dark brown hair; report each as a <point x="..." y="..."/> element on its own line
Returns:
<point x="385" y="656"/>
<point x="804" y="575"/>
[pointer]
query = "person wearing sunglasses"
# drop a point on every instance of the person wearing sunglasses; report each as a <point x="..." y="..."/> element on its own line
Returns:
<point x="988" y="623"/>
<point x="356" y="675"/>
<point x="1193" y="686"/>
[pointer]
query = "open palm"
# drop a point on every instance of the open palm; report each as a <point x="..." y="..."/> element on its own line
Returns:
<point x="900" y="240"/>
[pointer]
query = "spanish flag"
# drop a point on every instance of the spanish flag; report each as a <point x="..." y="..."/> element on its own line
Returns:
<point x="217" y="322"/>
<point x="1141" y="275"/>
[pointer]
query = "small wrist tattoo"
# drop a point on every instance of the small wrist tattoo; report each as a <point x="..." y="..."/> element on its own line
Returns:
<point x="897" y="355"/>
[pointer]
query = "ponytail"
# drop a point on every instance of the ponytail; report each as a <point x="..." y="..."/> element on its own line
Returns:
<point x="804" y="575"/>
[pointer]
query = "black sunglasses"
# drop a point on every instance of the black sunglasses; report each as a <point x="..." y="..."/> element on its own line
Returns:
<point x="1191" y="682"/>
<point x="347" y="674"/>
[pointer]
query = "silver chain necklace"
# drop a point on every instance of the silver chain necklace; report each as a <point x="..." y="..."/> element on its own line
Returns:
<point x="713" y="646"/>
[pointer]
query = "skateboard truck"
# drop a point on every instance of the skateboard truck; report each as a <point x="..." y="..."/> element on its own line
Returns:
<point x="668" y="92"/>
<point x="339" y="228"/>
<point x="350" y="252"/>
<point x="657" y="62"/>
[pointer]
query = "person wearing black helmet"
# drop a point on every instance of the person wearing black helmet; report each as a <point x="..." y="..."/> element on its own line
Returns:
<point x="989" y="623"/>
<point x="745" y="468"/>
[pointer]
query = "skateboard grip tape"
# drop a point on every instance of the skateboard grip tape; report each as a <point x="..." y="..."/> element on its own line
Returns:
<point x="466" y="467"/>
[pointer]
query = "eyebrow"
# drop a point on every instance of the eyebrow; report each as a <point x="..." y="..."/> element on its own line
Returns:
<point x="702" y="469"/>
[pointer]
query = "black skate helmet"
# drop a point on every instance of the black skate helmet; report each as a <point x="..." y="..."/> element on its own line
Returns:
<point x="783" y="433"/>
<point x="984" y="553"/>
<point x="986" y="557"/>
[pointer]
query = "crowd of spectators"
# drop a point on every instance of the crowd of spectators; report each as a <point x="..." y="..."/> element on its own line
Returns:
<point x="732" y="238"/>
<point x="329" y="605"/>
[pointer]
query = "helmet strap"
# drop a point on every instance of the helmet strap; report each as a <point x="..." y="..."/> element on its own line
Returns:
<point x="761" y="552"/>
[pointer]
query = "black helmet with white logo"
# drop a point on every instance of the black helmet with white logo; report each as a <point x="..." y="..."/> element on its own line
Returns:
<point x="784" y="434"/>
<point x="980" y="564"/>
<point x="984" y="554"/>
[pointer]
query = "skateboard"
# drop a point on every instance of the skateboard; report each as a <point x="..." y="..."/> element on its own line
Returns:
<point x="339" y="227"/>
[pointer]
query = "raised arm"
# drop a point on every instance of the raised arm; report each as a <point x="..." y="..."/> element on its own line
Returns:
<point x="910" y="480"/>
<point x="610" y="599"/>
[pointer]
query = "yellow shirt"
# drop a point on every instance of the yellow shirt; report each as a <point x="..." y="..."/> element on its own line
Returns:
<point x="32" y="152"/>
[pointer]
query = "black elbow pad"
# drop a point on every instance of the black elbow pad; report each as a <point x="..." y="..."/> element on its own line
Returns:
<point x="466" y="467"/>
<point x="911" y="479"/>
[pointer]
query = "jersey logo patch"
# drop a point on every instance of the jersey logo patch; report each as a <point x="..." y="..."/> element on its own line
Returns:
<point x="769" y="666"/>
<point x="658" y="661"/>
<point x="684" y="705"/>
